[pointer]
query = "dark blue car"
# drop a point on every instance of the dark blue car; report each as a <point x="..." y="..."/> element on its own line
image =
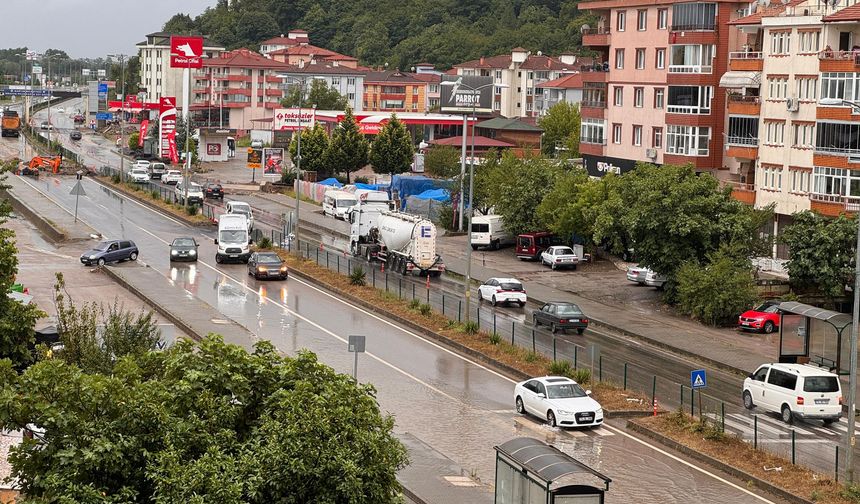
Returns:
<point x="110" y="251"/>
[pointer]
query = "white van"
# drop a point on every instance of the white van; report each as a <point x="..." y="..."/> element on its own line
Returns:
<point x="489" y="231"/>
<point x="241" y="208"/>
<point x="337" y="203"/>
<point x="795" y="391"/>
<point x="233" y="240"/>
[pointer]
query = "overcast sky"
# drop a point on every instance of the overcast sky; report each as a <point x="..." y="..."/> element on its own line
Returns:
<point x="87" y="28"/>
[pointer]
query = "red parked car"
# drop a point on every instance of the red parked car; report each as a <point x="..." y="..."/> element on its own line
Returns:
<point x="763" y="318"/>
<point x="531" y="245"/>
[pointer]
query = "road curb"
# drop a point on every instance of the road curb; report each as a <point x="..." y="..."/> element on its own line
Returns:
<point x="149" y="204"/>
<point x="722" y="466"/>
<point x="50" y="230"/>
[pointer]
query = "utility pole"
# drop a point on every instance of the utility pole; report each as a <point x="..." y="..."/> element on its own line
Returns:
<point x="121" y="58"/>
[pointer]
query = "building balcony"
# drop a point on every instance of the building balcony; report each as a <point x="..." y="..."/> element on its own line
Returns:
<point x="594" y="149"/>
<point x="596" y="37"/>
<point x="745" y="193"/>
<point x="833" y="205"/>
<point x="594" y="109"/>
<point x="743" y="105"/>
<point x="742" y="147"/>
<point x="595" y="76"/>
<point x="842" y="113"/>
<point x="746" y="61"/>
<point x="838" y="61"/>
<point x="392" y="96"/>
<point x="691" y="69"/>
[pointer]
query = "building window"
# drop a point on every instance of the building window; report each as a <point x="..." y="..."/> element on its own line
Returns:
<point x="841" y="85"/>
<point x="743" y="130"/>
<point x="694" y="16"/>
<point x="350" y="97"/>
<point x="621" y="21"/>
<point x="619" y="59"/>
<point x="774" y="133"/>
<point x="690" y="99"/>
<point x="640" y="59"/>
<point x="662" y="18"/>
<point x="335" y="81"/>
<point x="659" y="98"/>
<point x="618" y="96"/>
<point x="415" y="90"/>
<point x="657" y="138"/>
<point x="642" y="20"/>
<point x="616" y="133"/>
<point x="803" y="135"/>
<point x="687" y="140"/>
<point x="498" y="75"/>
<point x="350" y="81"/>
<point x="832" y="181"/>
<point x="771" y="178"/>
<point x="692" y="58"/>
<point x="593" y="131"/>
<point x="637" y="135"/>
<point x="780" y="42"/>
<point x="799" y="180"/>
<point x="808" y="41"/>
<point x="807" y="88"/>
<point x="837" y="138"/>
<point x="777" y="88"/>
<point x="639" y="97"/>
<point x="661" y="58"/>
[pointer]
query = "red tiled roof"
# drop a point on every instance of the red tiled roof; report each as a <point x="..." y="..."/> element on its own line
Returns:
<point x="480" y="141"/>
<point x="244" y="58"/>
<point x="285" y="41"/>
<point x="570" y="81"/>
<point x="391" y="76"/>
<point x="304" y="49"/>
<point x="763" y="12"/>
<point x="501" y="61"/>
<point x="427" y="77"/>
<point x="340" y="57"/>
<point x="535" y="62"/>
<point x="324" y="68"/>
<point x="847" y="14"/>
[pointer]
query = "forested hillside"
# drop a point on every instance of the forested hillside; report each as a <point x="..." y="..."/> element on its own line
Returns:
<point x="400" y="33"/>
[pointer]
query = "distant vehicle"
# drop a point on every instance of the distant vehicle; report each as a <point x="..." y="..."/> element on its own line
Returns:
<point x="561" y="315"/>
<point x="172" y="177"/>
<point x="156" y="170"/>
<point x="46" y="126"/>
<point x="195" y="193"/>
<point x="559" y="400"/>
<point x="794" y="391"/>
<point x="10" y="124"/>
<point x="489" y="231"/>
<point x="654" y="279"/>
<point x="532" y="245"/>
<point x="75" y="135"/>
<point x="183" y="249"/>
<point x="503" y="290"/>
<point x="233" y="239"/>
<point x="637" y="274"/>
<point x="110" y="251"/>
<point x="213" y="190"/>
<point x="559" y="256"/>
<point x="764" y="318"/>
<point x="257" y="144"/>
<point x="267" y="265"/>
<point x="60" y="110"/>
<point x="142" y="163"/>
<point x="337" y="203"/>
<point x="79" y="119"/>
<point x="139" y="175"/>
<point x="405" y="242"/>
<point x="244" y="209"/>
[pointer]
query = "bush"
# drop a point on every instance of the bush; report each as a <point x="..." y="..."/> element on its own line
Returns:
<point x="288" y="178"/>
<point x="358" y="277"/>
<point x="495" y="338"/>
<point x="115" y="178"/>
<point x="264" y="243"/>
<point x="425" y="309"/>
<point x="718" y="292"/>
<point x="560" y="368"/>
<point x="446" y="218"/>
<point x="581" y="376"/>
<point x="531" y="356"/>
<point x="470" y="327"/>
<point x="414" y="304"/>
<point x="361" y="180"/>
<point x="191" y="210"/>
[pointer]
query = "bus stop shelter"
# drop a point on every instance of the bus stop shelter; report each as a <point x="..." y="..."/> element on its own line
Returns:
<point x="808" y="334"/>
<point x="529" y="471"/>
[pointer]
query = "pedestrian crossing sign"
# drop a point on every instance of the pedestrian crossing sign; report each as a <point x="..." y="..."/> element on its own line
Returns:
<point x="698" y="379"/>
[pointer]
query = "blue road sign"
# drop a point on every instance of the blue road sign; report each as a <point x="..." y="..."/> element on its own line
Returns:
<point x="24" y="92"/>
<point x="104" y="116"/>
<point x="698" y="379"/>
<point x="103" y="87"/>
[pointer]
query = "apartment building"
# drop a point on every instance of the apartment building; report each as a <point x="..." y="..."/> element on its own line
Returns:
<point x="567" y="89"/>
<point x="517" y="76"/>
<point x="156" y="76"/>
<point x="653" y="94"/>
<point x="394" y="91"/>
<point x="294" y="37"/>
<point x="243" y="84"/>
<point x="349" y="82"/>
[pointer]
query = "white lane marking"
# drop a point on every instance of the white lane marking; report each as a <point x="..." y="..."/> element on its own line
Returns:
<point x="688" y="464"/>
<point x="47" y="252"/>
<point x="785" y="429"/>
<point x="600" y="431"/>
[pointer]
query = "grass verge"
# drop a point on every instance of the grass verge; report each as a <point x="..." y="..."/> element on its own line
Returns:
<point x="141" y="193"/>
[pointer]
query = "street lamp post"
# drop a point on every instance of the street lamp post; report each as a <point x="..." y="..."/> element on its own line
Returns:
<point x="121" y="58"/>
<point x="855" y="319"/>
<point x="467" y="281"/>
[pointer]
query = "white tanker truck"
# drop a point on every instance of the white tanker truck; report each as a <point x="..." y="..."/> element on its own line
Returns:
<point x="406" y="243"/>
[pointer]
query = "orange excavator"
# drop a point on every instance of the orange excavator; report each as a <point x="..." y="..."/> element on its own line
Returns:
<point x="39" y="162"/>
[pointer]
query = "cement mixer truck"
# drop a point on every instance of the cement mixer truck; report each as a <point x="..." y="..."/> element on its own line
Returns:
<point x="405" y="243"/>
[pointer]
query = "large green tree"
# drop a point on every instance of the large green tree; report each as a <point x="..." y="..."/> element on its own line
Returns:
<point x="207" y="423"/>
<point x="319" y="95"/>
<point x="442" y="161"/>
<point x="17" y="320"/>
<point x="392" y="149"/>
<point x="561" y="126"/>
<point x="348" y="150"/>
<point x="315" y="144"/>
<point x="516" y="188"/>
<point x="821" y="252"/>
<point x="718" y="290"/>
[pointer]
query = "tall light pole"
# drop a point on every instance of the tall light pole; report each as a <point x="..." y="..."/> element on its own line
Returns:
<point x="467" y="281"/>
<point x="855" y="321"/>
<point x="121" y="58"/>
<point x="301" y="81"/>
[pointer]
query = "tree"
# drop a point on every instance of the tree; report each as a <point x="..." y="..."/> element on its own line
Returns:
<point x="182" y="134"/>
<point x="517" y="186"/>
<point x="563" y="208"/>
<point x="392" y="150"/>
<point x="348" y="150"/>
<point x="821" y="252"/>
<point x="315" y="144"/>
<point x="17" y="320"/>
<point x="320" y="95"/>
<point x="180" y="24"/>
<point x="133" y="141"/>
<point x="206" y="423"/>
<point x="561" y="126"/>
<point x="718" y="291"/>
<point x="442" y="161"/>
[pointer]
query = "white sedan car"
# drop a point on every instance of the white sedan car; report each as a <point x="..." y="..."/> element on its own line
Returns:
<point x="172" y="177"/>
<point x="645" y="276"/>
<point x="558" y="400"/>
<point x="503" y="290"/>
<point x="559" y="256"/>
<point x="139" y="175"/>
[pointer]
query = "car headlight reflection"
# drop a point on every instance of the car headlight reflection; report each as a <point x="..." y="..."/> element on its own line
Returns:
<point x="92" y="257"/>
<point x="564" y="412"/>
<point x="173" y="252"/>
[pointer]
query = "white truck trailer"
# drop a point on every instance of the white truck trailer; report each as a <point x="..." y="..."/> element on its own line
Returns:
<point x="405" y="243"/>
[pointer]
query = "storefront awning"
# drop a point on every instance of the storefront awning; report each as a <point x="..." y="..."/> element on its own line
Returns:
<point x="740" y="79"/>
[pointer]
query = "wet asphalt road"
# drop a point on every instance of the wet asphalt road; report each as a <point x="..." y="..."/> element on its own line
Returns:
<point x="456" y="406"/>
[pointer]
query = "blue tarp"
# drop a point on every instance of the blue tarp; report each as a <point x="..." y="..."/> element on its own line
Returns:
<point x="435" y="194"/>
<point x="330" y="182"/>
<point x="368" y="187"/>
<point x="410" y="186"/>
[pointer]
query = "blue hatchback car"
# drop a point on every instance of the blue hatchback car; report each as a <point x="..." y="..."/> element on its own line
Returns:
<point x="110" y="251"/>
